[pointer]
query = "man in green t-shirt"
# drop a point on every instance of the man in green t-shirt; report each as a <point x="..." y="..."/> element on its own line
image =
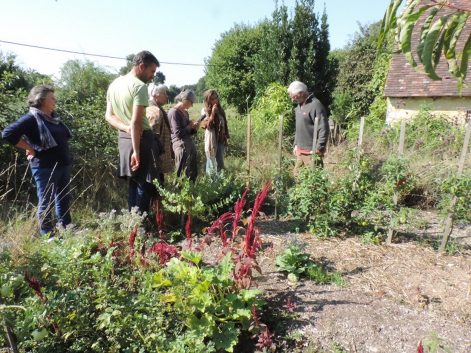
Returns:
<point x="127" y="99"/>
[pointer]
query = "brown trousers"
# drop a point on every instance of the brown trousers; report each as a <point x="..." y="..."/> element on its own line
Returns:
<point x="306" y="160"/>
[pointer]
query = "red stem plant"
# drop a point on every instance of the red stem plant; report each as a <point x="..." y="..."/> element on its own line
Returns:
<point x="245" y="259"/>
<point x="188" y="230"/>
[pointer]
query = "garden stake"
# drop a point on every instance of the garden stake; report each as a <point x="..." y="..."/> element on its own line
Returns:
<point x="400" y="153"/>
<point x="360" y="133"/>
<point x="449" y="219"/>
<point x="402" y="138"/>
<point x="314" y="143"/>
<point x="280" y="151"/>
<point x="249" y="142"/>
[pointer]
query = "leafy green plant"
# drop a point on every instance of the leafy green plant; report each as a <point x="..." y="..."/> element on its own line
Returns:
<point x="434" y="344"/>
<point x="458" y="188"/>
<point x="267" y="109"/>
<point x="294" y="261"/>
<point x="383" y="202"/>
<point x="309" y="200"/>
<point x="205" y="199"/>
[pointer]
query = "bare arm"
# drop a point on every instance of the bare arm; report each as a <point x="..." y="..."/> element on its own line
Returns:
<point x="114" y="121"/>
<point x="138" y="112"/>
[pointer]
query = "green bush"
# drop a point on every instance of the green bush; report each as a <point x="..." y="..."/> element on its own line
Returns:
<point x="268" y="108"/>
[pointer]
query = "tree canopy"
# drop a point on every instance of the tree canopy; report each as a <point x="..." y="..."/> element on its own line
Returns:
<point x="83" y="79"/>
<point x="246" y="60"/>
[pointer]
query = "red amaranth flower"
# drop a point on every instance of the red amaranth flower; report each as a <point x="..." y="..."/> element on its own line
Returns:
<point x="33" y="283"/>
<point x="132" y="240"/>
<point x="188" y="229"/>
<point x="224" y="218"/>
<point x="255" y="316"/>
<point x="159" y="219"/>
<point x="420" y="347"/>
<point x="251" y="241"/>
<point x="164" y="251"/>
<point x="238" y="209"/>
<point x="289" y="305"/>
<point x="265" y="339"/>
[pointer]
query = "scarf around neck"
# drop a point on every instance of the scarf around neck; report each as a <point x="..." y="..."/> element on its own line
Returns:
<point x="47" y="140"/>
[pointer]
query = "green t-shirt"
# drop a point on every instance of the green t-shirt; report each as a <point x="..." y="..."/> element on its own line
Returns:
<point x="125" y="92"/>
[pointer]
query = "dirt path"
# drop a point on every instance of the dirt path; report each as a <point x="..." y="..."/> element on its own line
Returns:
<point x="394" y="295"/>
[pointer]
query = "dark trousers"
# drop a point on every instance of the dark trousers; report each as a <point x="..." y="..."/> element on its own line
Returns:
<point x="186" y="158"/>
<point x="140" y="194"/>
<point x="52" y="186"/>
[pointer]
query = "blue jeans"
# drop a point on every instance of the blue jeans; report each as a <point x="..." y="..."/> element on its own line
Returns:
<point x="140" y="194"/>
<point x="216" y="163"/>
<point x="52" y="186"/>
<point x="220" y="156"/>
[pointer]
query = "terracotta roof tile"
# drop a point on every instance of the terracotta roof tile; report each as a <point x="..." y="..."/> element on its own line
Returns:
<point x="405" y="81"/>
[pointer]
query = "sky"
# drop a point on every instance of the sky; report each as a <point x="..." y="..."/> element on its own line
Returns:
<point x="175" y="31"/>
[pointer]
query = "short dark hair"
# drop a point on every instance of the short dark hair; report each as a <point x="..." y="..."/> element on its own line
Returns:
<point x="145" y="57"/>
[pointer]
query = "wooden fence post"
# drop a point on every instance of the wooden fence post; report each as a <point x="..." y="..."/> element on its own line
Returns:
<point x="400" y="153"/>
<point x="402" y="138"/>
<point x="314" y="142"/>
<point x="449" y="218"/>
<point x="280" y="161"/>
<point x="360" y="133"/>
<point x="249" y="142"/>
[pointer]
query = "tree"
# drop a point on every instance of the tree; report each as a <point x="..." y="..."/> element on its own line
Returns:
<point x="125" y="69"/>
<point x="200" y="88"/>
<point x="296" y="48"/>
<point x="15" y="83"/>
<point x="230" y="69"/>
<point x="159" y="78"/>
<point x="305" y="33"/>
<point x="81" y="80"/>
<point x="172" y="92"/>
<point x="443" y="27"/>
<point x="352" y="95"/>
<point x="275" y="51"/>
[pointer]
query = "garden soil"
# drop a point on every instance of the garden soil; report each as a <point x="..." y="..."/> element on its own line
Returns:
<point x="393" y="296"/>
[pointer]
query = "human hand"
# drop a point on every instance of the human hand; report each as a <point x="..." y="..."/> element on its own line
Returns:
<point x="135" y="162"/>
<point x="320" y="153"/>
<point x="30" y="154"/>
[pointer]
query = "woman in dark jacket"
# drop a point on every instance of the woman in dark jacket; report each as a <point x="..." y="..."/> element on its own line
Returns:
<point x="45" y="139"/>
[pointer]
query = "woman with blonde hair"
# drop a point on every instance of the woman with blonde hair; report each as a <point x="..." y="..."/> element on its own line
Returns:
<point x="216" y="131"/>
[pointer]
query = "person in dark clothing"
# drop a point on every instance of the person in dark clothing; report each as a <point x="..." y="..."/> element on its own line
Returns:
<point x="182" y="129"/>
<point x="44" y="137"/>
<point x="309" y="110"/>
